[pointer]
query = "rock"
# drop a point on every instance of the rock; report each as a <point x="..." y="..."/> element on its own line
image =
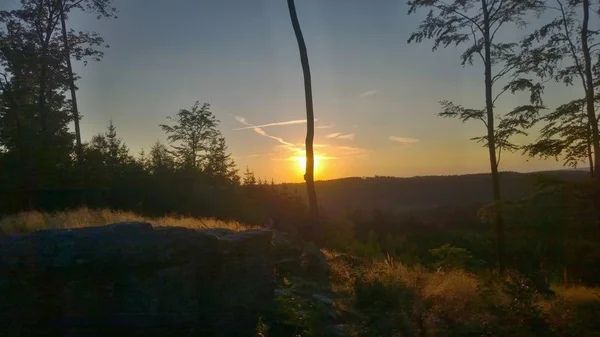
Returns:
<point x="132" y="279"/>
<point x="323" y="299"/>
<point x="218" y="232"/>
<point x="337" y="330"/>
<point x="280" y="293"/>
<point x="332" y="314"/>
<point x="314" y="261"/>
<point x="280" y="239"/>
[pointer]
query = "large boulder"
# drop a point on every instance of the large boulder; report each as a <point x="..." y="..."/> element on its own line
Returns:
<point x="133" y="279"/>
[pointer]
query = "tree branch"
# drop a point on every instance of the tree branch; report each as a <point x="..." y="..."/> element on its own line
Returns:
<point x="499" y="155"/>
<point x="476" y="41"/>
<point x="503" y="72"/>
<point x="462" y="15"/>
<point x="572" y="47"/>
<point x="500" y="5"/>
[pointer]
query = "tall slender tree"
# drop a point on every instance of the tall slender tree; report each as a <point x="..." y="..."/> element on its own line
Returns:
<point x="565" y="50"/>
<point x="476" y="23"/>
<point x="74" y="109"/>
<point x="310" y="120"/>
<point x="103" y="9"/>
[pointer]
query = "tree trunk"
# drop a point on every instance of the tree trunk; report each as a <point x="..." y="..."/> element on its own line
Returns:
<point x="589" y="97"/>
<point x="74" y="108"/>
<point x="590" y="153"/>
<point x="310" y="123"/>
<point x="589" y="78"/>
<point x="489" y="105"/>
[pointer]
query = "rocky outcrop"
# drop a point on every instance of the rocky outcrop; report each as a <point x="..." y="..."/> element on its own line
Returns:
<point x="135" y="280"/>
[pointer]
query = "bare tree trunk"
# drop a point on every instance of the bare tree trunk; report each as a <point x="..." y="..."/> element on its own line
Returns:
<point x="590" y="152"/>
<point x="310" y="120"/>
<point x="74" y="108"/>
<point x="589" y="78"/>
<point x="489" y="104"/>
<point x="589" y="97"/>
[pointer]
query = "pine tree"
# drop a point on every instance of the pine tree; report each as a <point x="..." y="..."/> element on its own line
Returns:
<point x="218" y="163"/>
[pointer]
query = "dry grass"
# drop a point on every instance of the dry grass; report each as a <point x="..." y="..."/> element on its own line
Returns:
<point x="577" y="294"/>
<point x="452" y="300"/>
<point x="26" y="222"/>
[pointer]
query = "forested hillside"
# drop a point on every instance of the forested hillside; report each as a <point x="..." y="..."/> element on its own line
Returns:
<point x="418" y="194"/>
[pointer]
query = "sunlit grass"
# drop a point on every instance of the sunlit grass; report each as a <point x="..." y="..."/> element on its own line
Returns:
<point x="31" y="221"/>
<point x="431" y="300"/>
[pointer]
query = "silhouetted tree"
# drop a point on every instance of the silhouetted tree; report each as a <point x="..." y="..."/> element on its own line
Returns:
<point x="249" y="179"/>
<point x="36" y="115"/>
<point x="310" y="122"/>
<point x="102" y="9"/>
<point x="566" y="132"/>
<point x="219" y="163"/>
<point x="160" y="160"/>
<point x="476" y="22"/>
<point x="564" y="50"/>
<point x="192" y="134"/>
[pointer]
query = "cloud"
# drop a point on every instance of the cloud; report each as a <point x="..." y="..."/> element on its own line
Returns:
<point x="297" y="121"/>
<point x="324" y="126"/>
<point x="338" y="135"/>
<point x="349" y="136"/>
<point x="403" y="140"/>
<point x="285" y="150"/>
<point x="368" y="93"/>
<point x="260" y="131"/>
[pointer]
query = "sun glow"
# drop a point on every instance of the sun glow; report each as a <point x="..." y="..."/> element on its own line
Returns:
<point x="302" y="163"/>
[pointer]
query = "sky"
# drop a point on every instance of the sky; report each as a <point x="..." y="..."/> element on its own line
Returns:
<point x="375" y="96"/>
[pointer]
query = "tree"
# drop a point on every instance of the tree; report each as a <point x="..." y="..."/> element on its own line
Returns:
<point x="160" y="160"/>
<point x="566" y="132"/>
<point x="310" y="121"/>
<point x="219" y="163"/>
<point x="249" y="178"/>
<point x="476" y="22"/>
<point x="113" y="152"/>
<point x="192" y="135"/>
<point x="564" y="50"/>
<point x="35" y="115"/>
<point x="38" y="139"/>
<point x="103" y="9"/>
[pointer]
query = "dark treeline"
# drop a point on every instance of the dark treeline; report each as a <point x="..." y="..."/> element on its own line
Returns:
<point x="45" y="166"/>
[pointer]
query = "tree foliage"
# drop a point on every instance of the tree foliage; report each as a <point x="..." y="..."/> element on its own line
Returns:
<point x="566" y="133"/>
<point x="192" y="134"/>
<point x="563" y="50"/>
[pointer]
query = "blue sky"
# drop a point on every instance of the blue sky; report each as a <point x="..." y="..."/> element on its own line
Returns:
<point x="376" y="92"/>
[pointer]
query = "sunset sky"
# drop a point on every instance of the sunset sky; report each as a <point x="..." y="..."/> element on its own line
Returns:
<point x="376" y="97"/>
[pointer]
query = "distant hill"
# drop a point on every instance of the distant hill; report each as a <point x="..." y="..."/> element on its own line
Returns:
<point x="422" y="193"/>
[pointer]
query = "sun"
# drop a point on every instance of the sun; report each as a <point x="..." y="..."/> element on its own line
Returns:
<point x="301" y="161"/>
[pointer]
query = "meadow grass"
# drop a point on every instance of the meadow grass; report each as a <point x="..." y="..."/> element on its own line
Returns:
<point x="394" y="299"/>
<point x="26" y="222"/>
